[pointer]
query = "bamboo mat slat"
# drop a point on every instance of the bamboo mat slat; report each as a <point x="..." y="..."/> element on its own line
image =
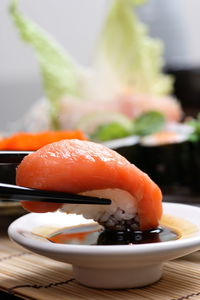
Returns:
<point x="34" y="277"/>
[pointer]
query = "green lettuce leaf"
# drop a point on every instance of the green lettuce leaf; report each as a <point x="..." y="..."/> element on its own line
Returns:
<point x="111" y="131"/>
<point x="137" y="2"/>
<point x="148" y="123"/>
<point x="132" y="56"/>
<point x="60" y="74"/>
<point x="195" y="124"/>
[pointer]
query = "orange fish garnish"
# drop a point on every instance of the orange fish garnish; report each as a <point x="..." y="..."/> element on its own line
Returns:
<point x="23" y="141"/>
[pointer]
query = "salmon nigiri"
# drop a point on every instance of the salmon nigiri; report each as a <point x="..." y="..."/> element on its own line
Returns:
<point x="88" y="168"/>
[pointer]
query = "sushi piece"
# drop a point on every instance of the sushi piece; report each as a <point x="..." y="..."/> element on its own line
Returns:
<point x="92" y="169"/>
<point x="167" y="158"/>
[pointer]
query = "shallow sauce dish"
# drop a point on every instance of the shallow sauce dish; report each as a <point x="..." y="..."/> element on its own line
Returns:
<point x="118" y="266"/>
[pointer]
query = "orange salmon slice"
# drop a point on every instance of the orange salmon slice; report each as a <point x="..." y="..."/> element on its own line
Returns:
<point x="77" y="166"/>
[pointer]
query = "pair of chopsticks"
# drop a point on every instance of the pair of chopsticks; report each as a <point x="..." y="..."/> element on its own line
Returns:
<point x="19" y="193"/>
<point x="12" y="157"/>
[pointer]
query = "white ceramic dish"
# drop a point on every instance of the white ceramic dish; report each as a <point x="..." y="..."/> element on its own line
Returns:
<point x="97" y="266"/>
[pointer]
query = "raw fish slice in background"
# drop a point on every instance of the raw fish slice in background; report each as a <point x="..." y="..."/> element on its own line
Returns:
<point x="92" y="169"/>
<point x="74" y="111"/>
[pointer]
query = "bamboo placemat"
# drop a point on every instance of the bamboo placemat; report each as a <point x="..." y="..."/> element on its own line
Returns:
<point x="31" y="276"/>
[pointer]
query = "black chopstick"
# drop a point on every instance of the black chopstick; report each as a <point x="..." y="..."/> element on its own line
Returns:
<point x="19" y="193"/>
<point x="12" y="157"/>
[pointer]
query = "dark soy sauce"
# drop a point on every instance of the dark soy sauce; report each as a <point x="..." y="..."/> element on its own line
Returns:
<point x="129" y="237"/>
<point x="92" y="234"/>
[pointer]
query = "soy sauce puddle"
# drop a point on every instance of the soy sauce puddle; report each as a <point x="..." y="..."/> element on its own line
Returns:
<point x="94" y="234"/>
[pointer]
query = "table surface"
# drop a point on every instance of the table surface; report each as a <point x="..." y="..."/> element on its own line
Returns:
<point x="6" y="296"/>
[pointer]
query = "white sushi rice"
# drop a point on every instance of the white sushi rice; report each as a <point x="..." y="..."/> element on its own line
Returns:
<point x="121" y="211"/>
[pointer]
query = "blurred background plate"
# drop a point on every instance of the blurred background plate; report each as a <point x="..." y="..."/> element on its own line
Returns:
<point x="9" y="211"/>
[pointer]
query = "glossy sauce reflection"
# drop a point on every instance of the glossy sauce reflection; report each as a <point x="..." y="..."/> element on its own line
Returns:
<point x="82" y="234"/>
<point x="94" y="234"/>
